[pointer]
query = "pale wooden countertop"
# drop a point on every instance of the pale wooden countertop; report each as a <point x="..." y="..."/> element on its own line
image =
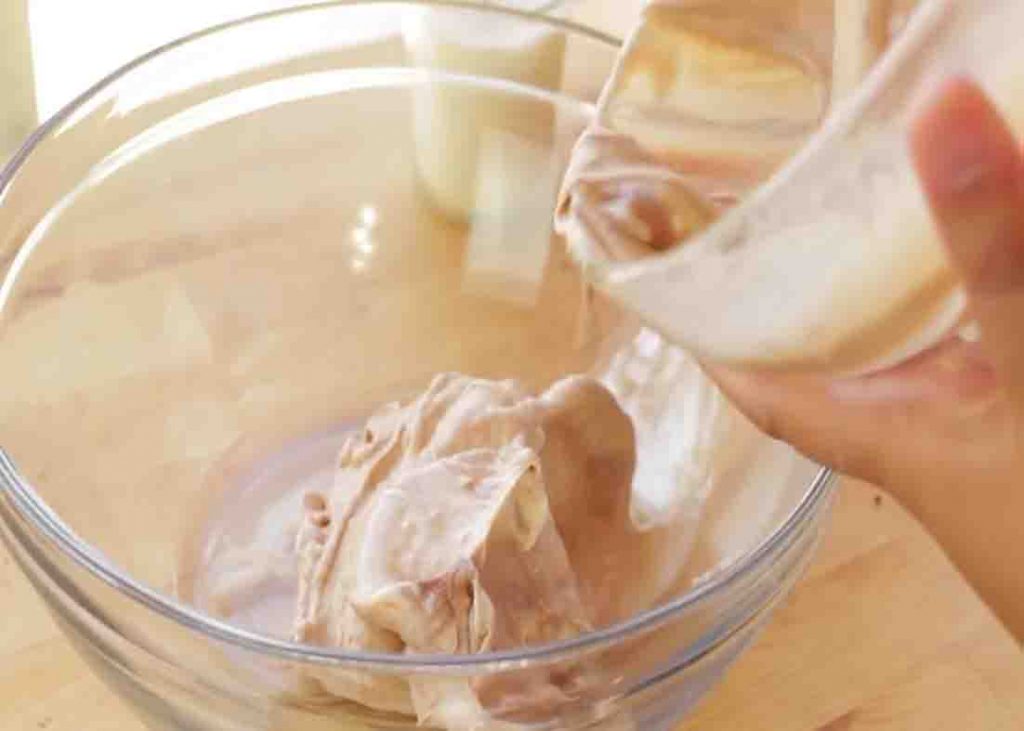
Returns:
<point x="882" y="634"/>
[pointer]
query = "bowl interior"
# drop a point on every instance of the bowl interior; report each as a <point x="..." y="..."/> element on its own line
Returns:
<point x="253" y="239"/>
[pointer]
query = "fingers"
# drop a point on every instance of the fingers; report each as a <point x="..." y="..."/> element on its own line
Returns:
<point x="801" y="411"/>
<point x="972" y="171"/>
<point x="869" y="427"/>
<point x="885" y="427"/>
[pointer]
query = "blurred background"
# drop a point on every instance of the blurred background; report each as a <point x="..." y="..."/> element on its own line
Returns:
<point x="52" y="50"/>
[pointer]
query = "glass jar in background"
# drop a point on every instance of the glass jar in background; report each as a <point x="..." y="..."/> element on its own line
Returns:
<point x="466" y="138"/>
<point x="17" y="95"/>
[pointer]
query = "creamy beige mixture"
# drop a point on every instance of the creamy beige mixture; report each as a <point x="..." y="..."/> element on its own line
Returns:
<point x="621" y="202"/>
<point x="835" y="266"/>
<point x="705" y="102"/>
<point x="474" y="518"/>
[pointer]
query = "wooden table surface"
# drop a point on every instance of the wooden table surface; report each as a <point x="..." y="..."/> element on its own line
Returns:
<point x="882" y="634"/>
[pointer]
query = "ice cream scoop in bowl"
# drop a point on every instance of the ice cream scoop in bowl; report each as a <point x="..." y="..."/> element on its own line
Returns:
<point x="228" y="258"/>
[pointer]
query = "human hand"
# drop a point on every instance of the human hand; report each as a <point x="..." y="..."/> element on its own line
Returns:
<point x="945" y="431"/>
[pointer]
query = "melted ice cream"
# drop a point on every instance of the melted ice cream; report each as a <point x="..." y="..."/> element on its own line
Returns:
<point x="474" y="518"/>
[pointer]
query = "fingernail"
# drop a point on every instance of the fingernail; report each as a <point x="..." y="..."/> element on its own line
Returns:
<point x="960" y="146"/>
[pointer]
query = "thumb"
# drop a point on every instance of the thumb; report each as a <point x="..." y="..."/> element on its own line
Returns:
<point x="972" y="171"/>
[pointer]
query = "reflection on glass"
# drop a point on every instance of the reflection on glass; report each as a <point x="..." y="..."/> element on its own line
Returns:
<point x="510" y="228"/>
<point x="362" y="244"/>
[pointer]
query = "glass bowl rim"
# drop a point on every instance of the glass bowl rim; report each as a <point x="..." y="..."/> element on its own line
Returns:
<point x="30" y="506"/>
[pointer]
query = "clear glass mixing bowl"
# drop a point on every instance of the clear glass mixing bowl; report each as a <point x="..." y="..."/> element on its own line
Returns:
<point x="261" y="232"/>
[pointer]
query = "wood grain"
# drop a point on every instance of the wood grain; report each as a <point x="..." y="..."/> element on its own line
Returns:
<point x="881" y="635"/>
